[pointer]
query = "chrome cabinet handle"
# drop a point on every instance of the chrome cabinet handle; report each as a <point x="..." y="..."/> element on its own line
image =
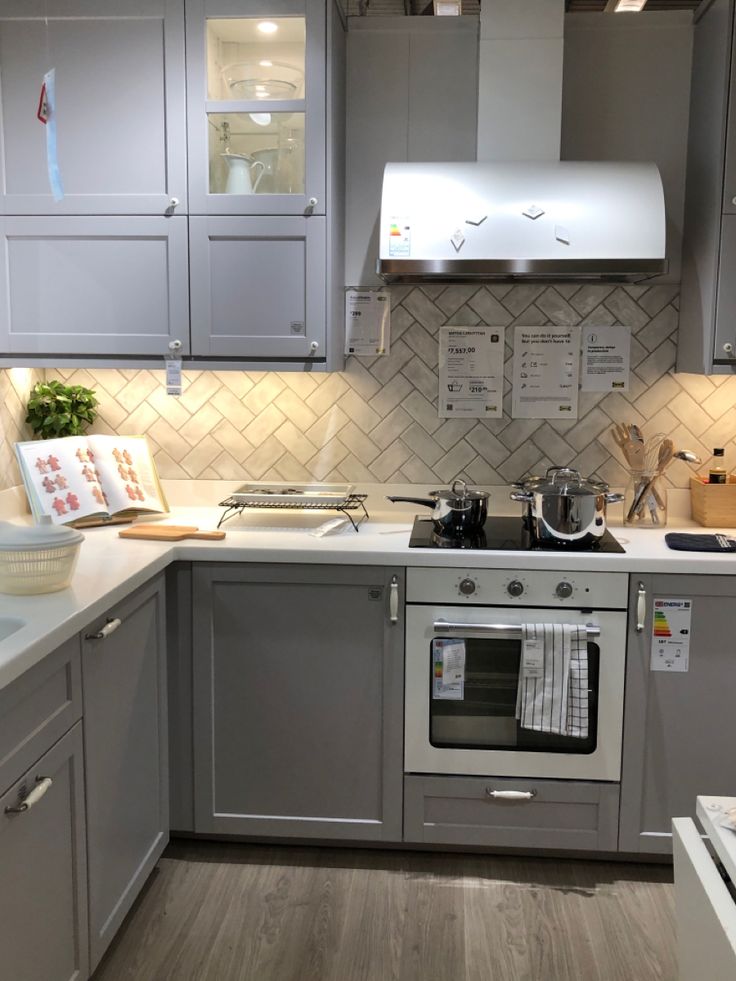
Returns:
<point x="504" y="631"/>
<point x="510" y="794"/>
<point x="641" y="608"/>
<point x="110" y="627"/>
<point x="393" y="600"/>
<point x="42" y="785"/>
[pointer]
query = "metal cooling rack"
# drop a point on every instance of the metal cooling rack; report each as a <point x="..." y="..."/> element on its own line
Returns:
<point x="353" y="502"/>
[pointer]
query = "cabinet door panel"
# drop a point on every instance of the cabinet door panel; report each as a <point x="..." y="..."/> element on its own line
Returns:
<point x="93" y="285"/>
<point x="126" y="758"/>
<point x="297" y="681"/>
<point x="726" y="296"/>
<point x="677" y="726"/>
<point x="120" y="106"/>
<point x="43" y="902"/>
<point x="257" y="286"/>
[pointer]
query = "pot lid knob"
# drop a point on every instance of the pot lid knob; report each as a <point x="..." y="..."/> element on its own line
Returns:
<point x="459" y="488"/>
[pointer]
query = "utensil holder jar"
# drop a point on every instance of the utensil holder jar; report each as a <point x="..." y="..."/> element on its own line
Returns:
<point x="645" y="500"/>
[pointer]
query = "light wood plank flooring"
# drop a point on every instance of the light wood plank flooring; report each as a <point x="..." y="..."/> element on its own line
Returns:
<point x="236" y="912"/>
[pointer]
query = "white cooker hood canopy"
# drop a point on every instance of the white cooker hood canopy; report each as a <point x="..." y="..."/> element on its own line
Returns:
<point x="547" y="219"/>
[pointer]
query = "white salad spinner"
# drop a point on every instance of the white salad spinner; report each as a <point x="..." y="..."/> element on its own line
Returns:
<point x="37" y="558"/>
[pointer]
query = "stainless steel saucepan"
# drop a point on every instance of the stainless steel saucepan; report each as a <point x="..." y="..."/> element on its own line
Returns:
<point x="457" y="512"/>
<point x="565" y="508"/>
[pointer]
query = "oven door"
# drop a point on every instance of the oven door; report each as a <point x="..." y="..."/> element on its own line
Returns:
<point x="474" y="730"/>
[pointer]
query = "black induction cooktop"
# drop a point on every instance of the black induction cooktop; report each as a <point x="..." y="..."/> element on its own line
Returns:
<point x="504" y="534"/>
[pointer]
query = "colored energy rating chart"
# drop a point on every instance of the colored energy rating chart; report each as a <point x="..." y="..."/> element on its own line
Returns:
<point x="671" y="635"/>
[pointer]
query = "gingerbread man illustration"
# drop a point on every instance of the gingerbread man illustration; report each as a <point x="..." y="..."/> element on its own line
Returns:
<point x="88" y="474"/>
<point x="90" y="456"/>
<point x="139" y="494"/>
<point x="53" y="462"/>
<point x="97" y="494"/>
<point x="41" y="466"/>
<point x="130" y="492"/>
<point x="118" y="455"/>
<point x="123" y="472"/>
<point x="59" y="506"/>
<point x="81" y="455"/>
<point x="73" y="501"/>
<point x="48" y="485"/>
<point x="132" y="475"/>
<point x="127" y="457"/>
<point x="61" y="482"/>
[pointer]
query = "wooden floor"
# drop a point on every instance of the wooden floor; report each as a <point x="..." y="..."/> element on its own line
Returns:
<point x="235" y="912"/>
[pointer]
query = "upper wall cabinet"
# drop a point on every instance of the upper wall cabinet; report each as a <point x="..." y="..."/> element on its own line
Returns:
<point x="256" y="84"/>
<point x="120" y="106"/>
<point x="707" y="336"/>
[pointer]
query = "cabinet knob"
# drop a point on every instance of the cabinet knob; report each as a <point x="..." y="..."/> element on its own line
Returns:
<point x="733" y="200"/>
<point x="174" y="202"/>
<point x="175" y="345"/>
<point x="314" y="347"/>
<point x="728" y="348"/>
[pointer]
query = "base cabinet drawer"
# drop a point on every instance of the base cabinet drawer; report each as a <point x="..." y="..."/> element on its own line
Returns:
<point x="555" y="814"/>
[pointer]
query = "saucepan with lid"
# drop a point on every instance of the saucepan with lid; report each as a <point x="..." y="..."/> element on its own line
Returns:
<point x="565" y="508"/>
<point x="457" y="512"/>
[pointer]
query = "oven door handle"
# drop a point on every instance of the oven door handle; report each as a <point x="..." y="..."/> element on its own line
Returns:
<point x="502" y="631"/>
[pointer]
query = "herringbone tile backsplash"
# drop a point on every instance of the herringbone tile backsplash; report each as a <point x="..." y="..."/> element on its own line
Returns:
<point x="377" y="421"/>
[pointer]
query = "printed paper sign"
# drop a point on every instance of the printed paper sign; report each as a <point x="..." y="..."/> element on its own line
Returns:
<point x="448" y="669"/>
<point x="546" y="370"/>
<point x="471" y="372"/>
<point x="671" y="635"/>
<point x="367" y="322"/>
<point x="399" y="238"/>
<point x="606" y="359"/>
<point x="532" y="658"/>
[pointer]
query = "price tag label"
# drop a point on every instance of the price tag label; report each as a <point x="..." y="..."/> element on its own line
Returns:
<point x="532" y="658"/>
<point x="173" y="376"/>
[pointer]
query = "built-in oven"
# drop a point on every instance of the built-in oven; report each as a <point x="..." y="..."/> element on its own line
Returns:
<point x="472" y="727"/>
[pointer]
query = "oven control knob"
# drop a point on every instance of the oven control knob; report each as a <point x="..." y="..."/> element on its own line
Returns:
<point x="564" y="590"/>
<point x="467" y="586"/>
<point x="515" y="588"/>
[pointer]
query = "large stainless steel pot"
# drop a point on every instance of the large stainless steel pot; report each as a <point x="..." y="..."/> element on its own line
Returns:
<point x="565" y="508"/>
<point x="456" y="513"/>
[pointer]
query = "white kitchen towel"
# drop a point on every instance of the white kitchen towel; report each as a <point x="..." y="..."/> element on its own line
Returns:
<point x="552" y="695"/>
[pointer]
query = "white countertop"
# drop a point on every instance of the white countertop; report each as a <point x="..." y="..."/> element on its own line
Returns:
<point x="109" y="568"/>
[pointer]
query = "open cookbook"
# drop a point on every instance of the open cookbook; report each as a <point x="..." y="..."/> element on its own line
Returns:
<point x="92" y="478"/>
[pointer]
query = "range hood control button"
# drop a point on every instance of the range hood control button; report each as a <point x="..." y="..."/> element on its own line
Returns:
<point x="564" y="590"/>
<point x="467" y="587"/>
<point x="515" y="588"/>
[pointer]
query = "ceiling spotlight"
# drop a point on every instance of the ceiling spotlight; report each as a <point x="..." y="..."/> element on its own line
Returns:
<point x="625" y="6"/>
<point x="261" y="118"/>
<point x="447" y="8"/>
<point x="266" y="64"/>
<point x="267" y="27"/>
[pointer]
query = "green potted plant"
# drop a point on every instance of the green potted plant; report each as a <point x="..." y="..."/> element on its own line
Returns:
<point x="56" y="409"/>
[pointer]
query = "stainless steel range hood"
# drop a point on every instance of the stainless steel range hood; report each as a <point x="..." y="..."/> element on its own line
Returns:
<point x="550" y="219"/>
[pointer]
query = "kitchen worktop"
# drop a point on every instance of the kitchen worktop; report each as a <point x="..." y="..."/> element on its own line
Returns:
<point x="109" y="568"/>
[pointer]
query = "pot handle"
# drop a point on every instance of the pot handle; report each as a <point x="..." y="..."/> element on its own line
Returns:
<point x="424" y="501"/>
<point x="524" y="497"/>
<point x="612" y="498"/>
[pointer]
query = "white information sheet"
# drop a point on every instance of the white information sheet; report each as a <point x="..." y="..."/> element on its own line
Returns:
<point x="671" y="635"/>
<point x="606" y="359"/>
<point x="367" y="322"/>
<point x="546" y="370"/>
<point x="471" y="372"/>
<point x="448" y="669"/>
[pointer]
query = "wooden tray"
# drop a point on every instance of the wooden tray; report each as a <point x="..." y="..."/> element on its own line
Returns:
<point x="169" y="533"/>
<point x="714" y="505"/>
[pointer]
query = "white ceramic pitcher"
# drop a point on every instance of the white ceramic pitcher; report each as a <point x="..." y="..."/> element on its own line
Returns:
<point x="240" y="170"/>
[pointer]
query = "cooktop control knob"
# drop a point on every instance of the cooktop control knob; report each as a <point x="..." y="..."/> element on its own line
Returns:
<point x="515" y="588"/>
<point x="467" y="586"/>
<point x="564" y="589"/>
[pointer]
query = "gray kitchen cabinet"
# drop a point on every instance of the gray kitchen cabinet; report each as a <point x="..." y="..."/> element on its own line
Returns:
<point x="565" y="814"/>
<point x="258" y="287"/>
<point x="114" y="286"/>
<point x="706" y="303"/>
<point x="678" y="725"/>
<point x="43" y="902"/>
<point x="120" y="95"/>
<point x="126" y="755"/>
<point x="43" y="905"/>
<point x="298" y="693"/>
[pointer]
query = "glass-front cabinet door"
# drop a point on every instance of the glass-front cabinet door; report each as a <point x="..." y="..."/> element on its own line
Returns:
<point x="256" y="107"/>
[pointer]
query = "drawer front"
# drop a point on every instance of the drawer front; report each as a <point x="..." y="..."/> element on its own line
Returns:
<point x="560" y="814"/>
<point x="37" y="709"/>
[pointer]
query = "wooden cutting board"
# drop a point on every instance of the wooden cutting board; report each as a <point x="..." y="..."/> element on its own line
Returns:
<point x="169" y="533"/>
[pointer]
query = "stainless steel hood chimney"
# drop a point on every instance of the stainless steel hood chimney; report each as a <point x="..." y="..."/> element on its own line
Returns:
<point x="546" y="219"/>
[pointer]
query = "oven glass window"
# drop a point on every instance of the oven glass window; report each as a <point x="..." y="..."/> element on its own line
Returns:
<point x="481" y="713"/>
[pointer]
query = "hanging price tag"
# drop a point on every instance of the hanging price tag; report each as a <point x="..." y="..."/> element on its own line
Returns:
<point x="173" y="376"/>
<point x="46" y="114"/>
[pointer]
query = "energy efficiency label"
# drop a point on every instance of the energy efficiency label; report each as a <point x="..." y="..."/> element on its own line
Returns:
<point x="671" y="635"/>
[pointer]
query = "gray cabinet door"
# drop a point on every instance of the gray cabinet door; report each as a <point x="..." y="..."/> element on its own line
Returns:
<point x="258" y="287"/>
<point x="93" y="285"/>
<point x="678" y="726"/>
<point x="726" y="296"/>
<point x="126" y="757"/>
<point x="205" y="115"/>
<point x="298" y="689"/>
<point x="43" y="899"/>
<point x="120" y="105"/>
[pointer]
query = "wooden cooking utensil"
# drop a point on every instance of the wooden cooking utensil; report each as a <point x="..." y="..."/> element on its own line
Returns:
<point x="170" y="533"/>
